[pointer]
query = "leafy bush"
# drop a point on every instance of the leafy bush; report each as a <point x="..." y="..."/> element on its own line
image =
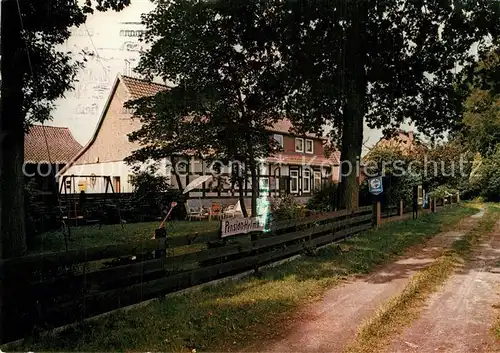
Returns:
<point x="149" y="181"/>
<point x="443" y="191"/>
<point x="393" y="163"/>
<point x="153" y="194"/>
<point x="485" y="178"/>
<point x="40" y="214"/>
<point x="286" y="207"/>
<point x="325" y="199"/>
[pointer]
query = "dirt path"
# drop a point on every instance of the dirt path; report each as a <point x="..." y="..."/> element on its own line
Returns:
<point x="331" y="323"/>
<point x="458" y="317"/>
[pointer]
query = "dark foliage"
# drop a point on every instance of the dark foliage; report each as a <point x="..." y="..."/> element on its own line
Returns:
<point x="325" y="199"/>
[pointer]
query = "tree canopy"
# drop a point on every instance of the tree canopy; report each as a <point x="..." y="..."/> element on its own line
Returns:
<point x="480" y="128"/>
<point x="224" y="62"/>
<point x="48" y="72"/>
<point x="34" y="74"/>
<point x="381" y="62"/>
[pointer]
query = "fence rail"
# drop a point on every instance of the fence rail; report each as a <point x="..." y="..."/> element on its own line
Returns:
<point x="54" y="289"/>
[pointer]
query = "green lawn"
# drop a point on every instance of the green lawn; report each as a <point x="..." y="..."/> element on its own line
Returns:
<point x="230" y="316"/>
<point x="89" y="236"/>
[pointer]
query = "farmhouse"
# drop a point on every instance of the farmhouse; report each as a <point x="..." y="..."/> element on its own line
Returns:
<point x="298" y="169"/>
<point x="405" y="141"/>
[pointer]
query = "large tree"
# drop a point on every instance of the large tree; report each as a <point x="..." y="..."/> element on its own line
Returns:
<point x="480" y="128"/>
<point x="222" y="58"/>
<point x="380" y="62"/>
<point x="34" y="75"/>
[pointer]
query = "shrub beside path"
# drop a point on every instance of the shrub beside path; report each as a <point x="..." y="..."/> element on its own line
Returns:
<point x="331" y="324"/>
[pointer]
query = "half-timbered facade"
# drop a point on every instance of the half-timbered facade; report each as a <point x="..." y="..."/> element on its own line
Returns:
<point x="299" y="168"/>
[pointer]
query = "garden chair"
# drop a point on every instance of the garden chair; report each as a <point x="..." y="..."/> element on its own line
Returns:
<point x="195" y="210"/>
<point x="215" y="211"/>
<point x="235" y="210"/>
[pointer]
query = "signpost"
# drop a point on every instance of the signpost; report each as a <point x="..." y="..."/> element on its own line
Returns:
<point x="239" y="225"/>
<point x="375" y="185"/>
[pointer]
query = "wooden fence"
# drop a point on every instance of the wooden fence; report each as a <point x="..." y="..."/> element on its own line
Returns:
<point x="384" y="212"/>
<point x="55" y="289"/>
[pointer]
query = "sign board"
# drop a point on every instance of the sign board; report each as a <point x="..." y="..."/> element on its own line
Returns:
<point x="240" y="225"/>
<point x="375" y="185"/>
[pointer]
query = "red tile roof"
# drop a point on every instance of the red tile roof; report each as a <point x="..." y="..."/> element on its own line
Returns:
<point x="335" y="157"/>
<point x="285" y="126"/>
<point x="62" y="146"/>
<point x="139" y="88"/>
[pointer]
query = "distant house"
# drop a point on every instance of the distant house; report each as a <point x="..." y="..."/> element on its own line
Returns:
<point x="47" y="149"/>
<point x="300" y="168"/>
<point x="405" y="141"/>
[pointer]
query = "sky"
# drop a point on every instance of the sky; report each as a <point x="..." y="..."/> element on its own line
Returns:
<point x="112" y="37"/>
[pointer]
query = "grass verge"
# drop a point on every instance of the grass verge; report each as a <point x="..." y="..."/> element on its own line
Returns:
<point x="496" y="331"/>
<point x="87" y="236"/>
<point x="233" y="315"/>
<point x="496" y="326"/>
<point x="405" y="307"/>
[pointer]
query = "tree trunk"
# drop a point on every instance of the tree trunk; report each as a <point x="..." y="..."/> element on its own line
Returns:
<point x="255" y="187"/>
<point x="355" y="106"/>
<point x="12" y="140"/>
<point x="241" y="186"/>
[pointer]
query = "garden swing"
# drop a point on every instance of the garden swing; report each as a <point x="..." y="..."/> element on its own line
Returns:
<point x="76" y="208"/>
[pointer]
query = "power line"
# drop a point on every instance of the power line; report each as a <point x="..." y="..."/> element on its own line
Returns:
<point x="93" y="45"/>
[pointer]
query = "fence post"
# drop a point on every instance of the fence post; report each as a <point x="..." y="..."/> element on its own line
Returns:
<point x="458" y="197"/>
<point x="2" y="322"/>
<point x="401" y="209"/>
<point x="161" y="233"/>
<point x="254" y="236"/>
<point x="376" y="214"/>
<point x="433" y="204"/>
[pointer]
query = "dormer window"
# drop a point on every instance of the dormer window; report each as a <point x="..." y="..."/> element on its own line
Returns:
<point x="309" y="146"/>
<point x="299" y="145"/>
<point x="279" y="139"/>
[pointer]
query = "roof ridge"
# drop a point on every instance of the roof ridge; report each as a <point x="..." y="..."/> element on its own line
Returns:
<point x="50" y="126"/>
<point x="145" y="81"/>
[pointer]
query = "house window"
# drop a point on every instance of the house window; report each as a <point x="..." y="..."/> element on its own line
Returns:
<point x="294" y="181"/>
<point x="279" y="139"/>
<point x="275" y="181"/>
<point x="309" y="146"/>
<point x="306" y="181"/>
<point x="299" y="145"/>
<point x="317" y="180"/>
<point x="181" y="167"/>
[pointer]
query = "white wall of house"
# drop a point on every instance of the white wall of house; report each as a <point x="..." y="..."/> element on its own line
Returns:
<point x="120" y="173"/>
